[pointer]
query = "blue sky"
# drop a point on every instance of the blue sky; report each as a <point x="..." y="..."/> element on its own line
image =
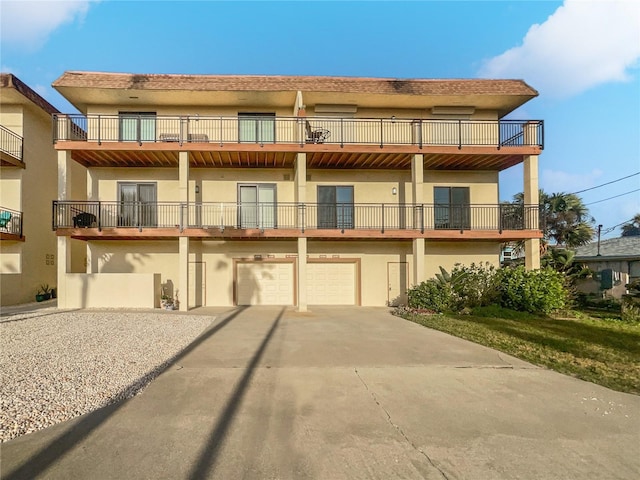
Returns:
<point x="582" y="56"/>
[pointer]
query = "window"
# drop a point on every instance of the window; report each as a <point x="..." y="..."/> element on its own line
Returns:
<point x="257" y="127"/>
<point x="257" y="205"/>
<point x="452" y="210"/>
<point x="137" y="205"/>
<point x="137" y="126"/>
<point x="335" y="207"/>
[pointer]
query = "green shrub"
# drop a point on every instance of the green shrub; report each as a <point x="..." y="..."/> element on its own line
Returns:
<point x="433" y="295"/>
<point x="532" y="291"/>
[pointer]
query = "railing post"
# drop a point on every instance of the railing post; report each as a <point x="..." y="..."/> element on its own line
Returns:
<point x="341" y="132"/>
<point x="139" y="215"/>
<point x="381" y="133"/>
<point x="459" y="134"/>
<point x="139" y="129"/>
<point x="54" y="131"/>
<point x="304" y="216"/>
<point x="99" y="216"/>
<point x="99" y="130"/>
<point x="422" y="218"/>
<point x="54" y="216"/>
<point x="500" y="218"/>
<point x="382" y="231"/>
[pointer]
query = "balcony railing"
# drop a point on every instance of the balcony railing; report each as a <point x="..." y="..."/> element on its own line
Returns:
<point x="296" y="130"/>
<point x="295" y="216"/>
<point x="11" y="143"/>
<point x="10" y="221"/>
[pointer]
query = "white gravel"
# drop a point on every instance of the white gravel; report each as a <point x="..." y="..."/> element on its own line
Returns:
<point x="56" y="365"/>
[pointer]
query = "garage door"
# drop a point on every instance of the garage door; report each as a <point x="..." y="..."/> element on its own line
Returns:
<point x="264" y="283"/>
<point x="331" y="283"/>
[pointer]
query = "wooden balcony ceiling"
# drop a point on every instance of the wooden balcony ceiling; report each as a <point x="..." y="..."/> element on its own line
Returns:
<point x="455" y="160"/>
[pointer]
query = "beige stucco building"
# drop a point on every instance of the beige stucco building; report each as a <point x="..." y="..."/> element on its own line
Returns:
<point x="27" y="182"/>
<point x="237" y="190"/>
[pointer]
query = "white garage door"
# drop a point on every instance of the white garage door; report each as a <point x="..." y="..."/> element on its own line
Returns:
<point x="331" y="283"/>
<point x="264" y="283"/>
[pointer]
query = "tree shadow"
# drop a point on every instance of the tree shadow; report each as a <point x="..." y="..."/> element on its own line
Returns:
<point x="41" y="461"/>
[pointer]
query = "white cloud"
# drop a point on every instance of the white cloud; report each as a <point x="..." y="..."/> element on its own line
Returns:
<point x="555" y="181"/>
<point x="581" y="45"/>
<point x="29" y="23"/>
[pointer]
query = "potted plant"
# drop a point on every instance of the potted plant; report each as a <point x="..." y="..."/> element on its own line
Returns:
<point x="43" y="293"/>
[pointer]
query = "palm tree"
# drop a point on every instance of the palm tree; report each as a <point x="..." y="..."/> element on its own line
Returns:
<point x="632" y="227"/>
<point x="566" y="219"/>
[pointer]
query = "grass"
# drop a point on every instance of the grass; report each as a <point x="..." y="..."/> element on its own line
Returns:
<point x="605" y="350"/>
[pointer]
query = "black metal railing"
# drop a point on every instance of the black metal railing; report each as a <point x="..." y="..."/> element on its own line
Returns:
<point x="296" y="130"/>
<point x="11" y="143"/>
<point x="11" y="221"/>
<point x="298" y="216"/>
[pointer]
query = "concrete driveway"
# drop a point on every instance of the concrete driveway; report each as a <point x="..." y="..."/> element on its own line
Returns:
<point x="342" y="393"/>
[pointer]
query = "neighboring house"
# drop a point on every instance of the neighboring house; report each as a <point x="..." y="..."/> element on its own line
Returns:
<point x="28" y="178"/>
<point x="616" y="261"/>
<point x="238" y="190"/>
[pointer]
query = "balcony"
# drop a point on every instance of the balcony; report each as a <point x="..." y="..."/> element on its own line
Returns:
<point x="113" y="220"/>
<point x="137" y="140"/>
<point x="11" y="148"/>
<point x="10" y="224"/>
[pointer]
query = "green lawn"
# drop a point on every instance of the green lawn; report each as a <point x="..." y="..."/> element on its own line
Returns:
<point x="602" y="351"/>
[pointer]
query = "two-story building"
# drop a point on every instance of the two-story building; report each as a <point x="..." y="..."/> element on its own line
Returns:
<point x="287" y="190"/>
<point x="27" y="182"/>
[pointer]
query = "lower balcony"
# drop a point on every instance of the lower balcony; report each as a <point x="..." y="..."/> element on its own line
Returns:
<point x="150" y="220"/>
<point x="10" y="224"/>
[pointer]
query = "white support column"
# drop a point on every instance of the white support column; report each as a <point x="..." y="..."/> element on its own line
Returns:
<point x="183" y="270"/>
<point x="531" y="197"/>
<point x="63" y="261"/>
<point x="302" y="274"/>
<point x="417" y="178"/>
<point x="183" y="273"/>
<point x="417" y="191"/>
<point x="300" y="178"/>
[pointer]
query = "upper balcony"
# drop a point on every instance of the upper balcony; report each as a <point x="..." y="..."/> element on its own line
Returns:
<point x="129" y="220"/>
<point x="11" y="148"/>
<point x="273" y="141"/>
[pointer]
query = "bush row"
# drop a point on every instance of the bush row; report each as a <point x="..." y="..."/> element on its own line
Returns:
<point x="468" y="287"/>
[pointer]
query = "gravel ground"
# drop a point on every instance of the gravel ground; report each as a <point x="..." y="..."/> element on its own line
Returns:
<point x="57" y="365"/>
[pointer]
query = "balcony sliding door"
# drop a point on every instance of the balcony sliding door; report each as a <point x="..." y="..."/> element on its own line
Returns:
<point x="137" y="126"/>
<point x="256" y="127"/>
<point x="452" y="209"/>
<point x="257" y="205"/>
<point x="137" y="205"/>
<point x="335" y="207"/>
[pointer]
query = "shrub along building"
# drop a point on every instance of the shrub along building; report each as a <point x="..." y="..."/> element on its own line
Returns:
<point x="284" y="190"/>
<point x="27" y="183"/>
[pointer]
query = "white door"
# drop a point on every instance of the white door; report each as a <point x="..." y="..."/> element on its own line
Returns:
<point x="331" y="283"/>
<point x="398" y="277"/>
<point x="264" y="283"/>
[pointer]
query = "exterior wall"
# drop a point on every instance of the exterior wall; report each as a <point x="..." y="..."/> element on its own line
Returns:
<point x="447" y="254"/>
<point x="29" y="190"/>
<point x="11" y="118"/>
<point x="113" y="290"/>
<point x="11" y="187"/>
<point x="148" y="257"/>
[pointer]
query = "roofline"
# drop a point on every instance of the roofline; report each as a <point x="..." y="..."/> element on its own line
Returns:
<point x="62" y="81"/>
<point x="9" y="80"/>
<point x="608" y="258"/>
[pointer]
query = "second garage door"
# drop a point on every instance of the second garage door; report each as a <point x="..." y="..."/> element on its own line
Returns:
<point x="331" y="283"/>
<point x="264" y="283"/>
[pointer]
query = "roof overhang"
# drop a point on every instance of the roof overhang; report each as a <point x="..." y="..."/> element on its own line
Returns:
<point x="94" y="88"/>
